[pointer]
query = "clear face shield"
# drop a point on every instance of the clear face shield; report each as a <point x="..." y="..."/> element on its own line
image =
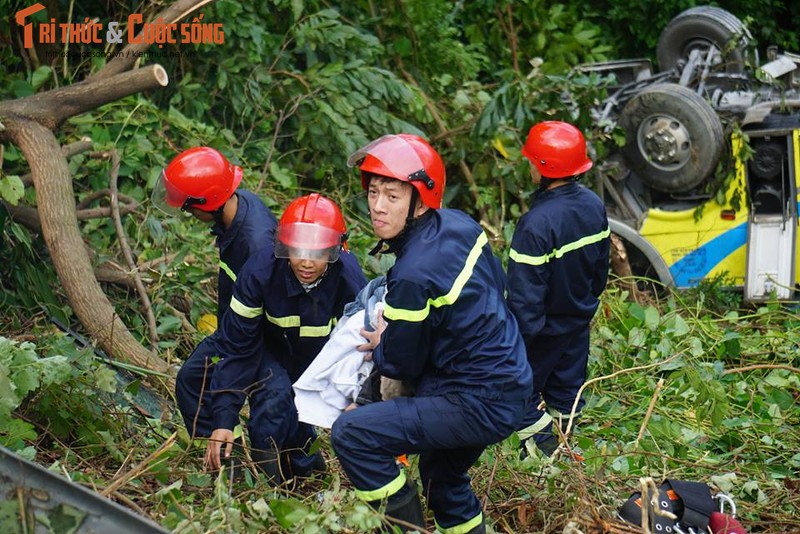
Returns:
<point x="308" y="241"/>
<point x="396" y="155"/>
<point x="170" y="200"/>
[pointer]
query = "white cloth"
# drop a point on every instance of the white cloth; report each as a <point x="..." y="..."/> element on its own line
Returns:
<point x="333" y="379"/>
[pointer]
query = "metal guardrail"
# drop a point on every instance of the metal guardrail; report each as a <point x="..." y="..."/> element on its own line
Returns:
<point x="35" y="500"/>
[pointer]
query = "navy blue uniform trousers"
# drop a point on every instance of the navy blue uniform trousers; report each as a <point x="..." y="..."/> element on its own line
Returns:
<point x="560" y="370"/>
<point x="273" y="417"/>
<point x="449" y="432"/>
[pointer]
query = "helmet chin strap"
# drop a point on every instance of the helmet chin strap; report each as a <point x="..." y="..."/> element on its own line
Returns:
<point x="412" y="207"/>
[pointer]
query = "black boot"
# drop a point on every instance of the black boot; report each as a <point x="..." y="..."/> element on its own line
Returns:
<point x="268" y="462"/>
<point x="233" y="463"/>
<point x="319" y="467"/>
<point x="409" y="510"/>
<point x="480" y="529"/>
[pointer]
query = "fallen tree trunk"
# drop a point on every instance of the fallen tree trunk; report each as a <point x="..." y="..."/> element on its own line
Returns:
<point x="28" y="123"/>
<point x="53" y="183"/>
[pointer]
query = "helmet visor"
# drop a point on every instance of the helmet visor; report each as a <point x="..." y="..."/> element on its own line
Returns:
<point x="166" y="197"/>
<point x="395" y="153"/>
<point x="308" y="241"/>
<point x="171" y="200"/>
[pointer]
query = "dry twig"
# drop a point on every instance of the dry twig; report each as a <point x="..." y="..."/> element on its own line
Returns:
<point x="126" y="249"/>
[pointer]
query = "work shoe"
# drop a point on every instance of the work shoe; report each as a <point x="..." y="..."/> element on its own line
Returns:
<point x="409" y="510"/>
<point x="268" y="463"/>
<point x="546" y="446"/>
<point x="319" y="467"/>
<point x="234" y="464"/>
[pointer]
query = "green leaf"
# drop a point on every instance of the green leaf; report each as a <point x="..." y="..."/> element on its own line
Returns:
<point x="66" y="519"/>
<point x="21" y="88"/>
<point x="288" y="512"/>
<point x="11" y="189"/>
<point x="283" y="177"/>
<point x="679" y="326"/>
<point x="297" y="9"/>
<point x="55" y="369"/>
<point x="167" y="324"/>
<point x="651" y="318"/>
<point x="726" y="482"/>
<point x="402" y="46"/>
<point x="40" y="76"/>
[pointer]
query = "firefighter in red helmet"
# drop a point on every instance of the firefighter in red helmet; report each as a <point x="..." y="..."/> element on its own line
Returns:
<point x="285" y="302"/>
<point x="557" y="269"/>
<point x="202" y="182"/>
<point x="447" y="331"/>
<point x="199" y="181"/>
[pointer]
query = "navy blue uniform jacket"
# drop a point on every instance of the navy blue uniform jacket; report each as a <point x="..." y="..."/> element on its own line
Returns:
<point x="251" y="229"/>
<point x="558" y="265"/>
<point x="271" y="314"/>
<point x="448" y="326"/>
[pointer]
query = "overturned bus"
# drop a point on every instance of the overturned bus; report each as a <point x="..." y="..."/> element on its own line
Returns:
<point x="712" y="113"/>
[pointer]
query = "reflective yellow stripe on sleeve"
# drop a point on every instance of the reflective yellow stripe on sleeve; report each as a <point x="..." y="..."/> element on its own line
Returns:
<point x="228" y="271"/>
<point x="445" y="300"/>
<point x="386" y="491"/>
<point x="463" y="528"/>
<point x="245" y="311"/>
<point x="559" y="252"/>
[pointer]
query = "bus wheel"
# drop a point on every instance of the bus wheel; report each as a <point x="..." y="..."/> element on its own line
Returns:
<point x="700" y="28"/>
<point x="673" y="137"/>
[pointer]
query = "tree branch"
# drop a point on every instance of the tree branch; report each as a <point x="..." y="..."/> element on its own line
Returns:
<point x="28" y="216"/>
<point x="126" y="250"/>
<point x="473" y="186"/>
<point x="53" y="183"/>
<point x="131" y="53"/>
<point x="53" y="107"/>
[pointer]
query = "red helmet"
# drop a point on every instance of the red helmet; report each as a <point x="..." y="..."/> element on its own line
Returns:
<point x="312" y="227"/>
<point x="557" y="149"/>
<point x="403" y="157"/>
<point x="200" y="177"/>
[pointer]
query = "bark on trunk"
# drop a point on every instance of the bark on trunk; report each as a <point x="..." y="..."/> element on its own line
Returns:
<point x="29" y="123"/>
<point x="53" y="183"/>
<point x="621" y="267"/>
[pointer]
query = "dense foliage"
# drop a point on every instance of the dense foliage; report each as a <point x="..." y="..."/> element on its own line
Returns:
<point x="295" y="88"/>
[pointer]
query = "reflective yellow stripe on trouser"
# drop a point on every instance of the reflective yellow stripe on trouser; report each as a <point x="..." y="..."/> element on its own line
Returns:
<point x="293" y="321"/>
<point x="445" y="300"/>
<point x="535" y="428"/>
<point x="383" y="492"/>
<point x="559" y="252"/>
<point x="463" y="528"/>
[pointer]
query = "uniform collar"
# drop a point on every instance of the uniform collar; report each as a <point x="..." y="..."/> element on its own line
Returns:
<point x="293" y="286"/>
<point x="543" y="193"/>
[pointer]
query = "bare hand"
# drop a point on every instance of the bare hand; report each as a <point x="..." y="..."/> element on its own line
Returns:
<point x="373" y="338"/>
<point x="219" y="437"/>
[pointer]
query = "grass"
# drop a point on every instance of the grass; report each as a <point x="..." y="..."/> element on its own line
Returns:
<point x="680" y="387"/>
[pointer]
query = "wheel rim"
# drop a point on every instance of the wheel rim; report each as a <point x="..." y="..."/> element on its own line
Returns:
<point x="702" y="46"/>
<point x="665" y="142"/>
